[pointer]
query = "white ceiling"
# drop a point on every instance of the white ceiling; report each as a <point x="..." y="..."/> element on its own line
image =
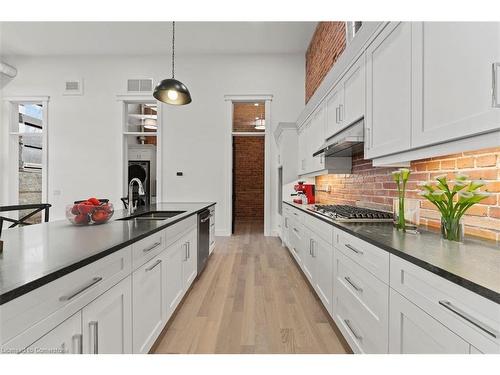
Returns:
<point x="152" y="38"/>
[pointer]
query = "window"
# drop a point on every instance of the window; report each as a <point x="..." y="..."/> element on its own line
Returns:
<point x="28" y="154"/>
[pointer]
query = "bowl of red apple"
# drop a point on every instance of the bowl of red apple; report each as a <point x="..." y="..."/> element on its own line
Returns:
<point x="90" y="211"/>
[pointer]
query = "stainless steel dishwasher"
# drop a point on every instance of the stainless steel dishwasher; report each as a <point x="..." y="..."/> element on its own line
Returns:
<point x="203" y="239"/>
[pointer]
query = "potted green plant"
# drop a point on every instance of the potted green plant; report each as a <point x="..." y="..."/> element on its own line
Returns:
<point x="453" y="199"/>
<point x="400" y="177"/>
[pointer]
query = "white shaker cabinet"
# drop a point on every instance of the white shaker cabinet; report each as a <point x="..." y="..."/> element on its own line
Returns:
<point x="190" y="265"/>
<point x="352" y="107"/>
<point x="333" y="101"/>
<point x="322" y="254"/>
<point x="107" y="321"/>
<point x="413" y="331"/>
<point x="316" y="138"/>
<point x="302" y="149"/>
<point x="174" y="282"/>
<point x="66" y="338"/>
<point x="453" y="80"/>
<point x="388" y="118"/>
<point x="149" y="306"/>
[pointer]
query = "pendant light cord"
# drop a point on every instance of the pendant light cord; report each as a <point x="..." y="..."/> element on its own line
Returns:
<point x="173" y="49"/>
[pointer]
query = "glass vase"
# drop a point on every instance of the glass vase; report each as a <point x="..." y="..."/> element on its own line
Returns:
<point x="452" y="229"/>
<point x="407" y="216"/>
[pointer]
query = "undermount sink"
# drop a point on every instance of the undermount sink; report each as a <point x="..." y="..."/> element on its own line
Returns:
<point x="153" y="215"/>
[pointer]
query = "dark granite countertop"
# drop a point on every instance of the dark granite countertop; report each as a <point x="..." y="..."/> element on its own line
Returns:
<point x="474" y="264"/>
<point x="38" y="254"/>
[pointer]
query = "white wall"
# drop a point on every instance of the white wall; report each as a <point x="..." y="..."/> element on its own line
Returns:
<point x="85" y="131"/>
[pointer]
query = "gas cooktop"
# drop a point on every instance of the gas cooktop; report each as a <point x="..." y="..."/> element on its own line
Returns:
<point x="348" y="213"/>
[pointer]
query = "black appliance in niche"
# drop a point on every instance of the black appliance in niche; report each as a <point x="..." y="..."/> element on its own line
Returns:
<point x="140" y="169"/>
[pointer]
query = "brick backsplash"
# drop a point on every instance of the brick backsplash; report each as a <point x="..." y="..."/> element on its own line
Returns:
<point x="373" y="187"/>
<point x="327" y="44"/>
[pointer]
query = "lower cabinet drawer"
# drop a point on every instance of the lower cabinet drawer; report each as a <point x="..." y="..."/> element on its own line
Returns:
<point x="371" y="294"/>
<point x="469" y="315"/>
<point x="413" y="331"/>
<point x="147" y="248"/>
<point x="365" y="254"/>
<point x="360" y="307"/>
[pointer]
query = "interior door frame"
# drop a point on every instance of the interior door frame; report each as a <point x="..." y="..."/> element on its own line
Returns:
<point x="230" y="99"/>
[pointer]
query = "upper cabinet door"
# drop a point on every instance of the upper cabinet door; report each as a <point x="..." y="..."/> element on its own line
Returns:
<point x="302" y="146"/>
<point x="107" y="321"/>
<point x="388" y="91"/>
<point x="453" y="80"/>
<point x="352" y="107"/>
<point x="316" y="138"/>
<point x="333" y="124"/>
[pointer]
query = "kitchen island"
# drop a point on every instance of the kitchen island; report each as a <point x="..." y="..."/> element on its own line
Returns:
<point x="122" y="280"/>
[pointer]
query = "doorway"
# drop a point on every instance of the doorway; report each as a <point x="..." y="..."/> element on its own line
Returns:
<point x="248" y="144"/>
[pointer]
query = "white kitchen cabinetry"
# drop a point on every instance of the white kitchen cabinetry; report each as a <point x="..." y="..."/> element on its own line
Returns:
<point x="175" y="255"/>
<point x="413" y="331"/>
<point x="66" y="338"/>
<point x="297" y="241"/>
<point x="452" y="80"/>
<point x="346" y="102"/>
<point x="388" y="119"/>
<point x="315" y="139"/>
<point x="149" y="305"/>
<point x="333" y="101"/>
<point x="107" y="321"/>
<point x="302" y="149"/>
<point x="353" y="94"/>
<point x="190" y="265"/>
<point x="322" y="269"/>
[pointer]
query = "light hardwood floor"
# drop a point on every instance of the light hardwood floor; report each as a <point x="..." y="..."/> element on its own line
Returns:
<point x="251" y="298"/>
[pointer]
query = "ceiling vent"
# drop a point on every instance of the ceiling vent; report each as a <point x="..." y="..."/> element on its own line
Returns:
<point x="140" y="85"/>
<point x="73" y="87"/>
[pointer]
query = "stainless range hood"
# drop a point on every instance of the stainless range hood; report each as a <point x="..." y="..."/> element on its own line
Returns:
<point x="345" y="142"/>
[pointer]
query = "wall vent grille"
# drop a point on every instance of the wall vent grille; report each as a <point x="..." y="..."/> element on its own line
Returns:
<point x="73" y="87"/>
<point x="140" y="85"/>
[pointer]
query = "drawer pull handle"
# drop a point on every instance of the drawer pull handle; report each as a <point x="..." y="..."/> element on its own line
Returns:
<point x="155" y="245"/>
<point x="490" y="331"/>
<point x="356" y="335"/>
<point x="77" y="344"/>
<point x="153" y="265"/>
<point x="350" y="247"/>
<point x="357" y="288"/>
<point x="92" y="282"/>
<point x="295" y="230"/>
<point x="94" y="333"/>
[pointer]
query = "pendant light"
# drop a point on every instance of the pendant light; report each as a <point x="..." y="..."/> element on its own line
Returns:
<point x="170" y="90"/>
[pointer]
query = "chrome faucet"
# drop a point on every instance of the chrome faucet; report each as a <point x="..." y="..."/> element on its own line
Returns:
<point x="131" y="206"/>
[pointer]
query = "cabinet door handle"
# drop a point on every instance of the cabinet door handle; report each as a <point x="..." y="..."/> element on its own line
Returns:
<point x="341" y="113"/>
<point x="185" y="252"/>
<point x="357" y="288"/>
<point x="80" y="290"/>
<point x="490" y="331"/>
<point x="155" y="245"/>
<point x="310" y="246"/>
<point x="495" y="86"/>
<point x="189" y="249"/>
<point x="94" y="336"/>
<point x="350" y="247"/>
<point x="336" y="115"/>
<point x="77" y="343"/>
<point x="295" y="230"/>
<point x="356" y="335"/>
<point x="286" y="222"/>
<point x="153" y="265"/>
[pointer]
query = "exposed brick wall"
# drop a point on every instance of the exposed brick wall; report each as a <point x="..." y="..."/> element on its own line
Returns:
<point x="370" y="186"/>
<point x="327" y="44"/>
<point x="248" y="159"/>
<point x="244" y="115"/>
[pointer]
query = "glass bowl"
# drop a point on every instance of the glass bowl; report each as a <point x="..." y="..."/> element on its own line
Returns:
<point x="80" y="213"/>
